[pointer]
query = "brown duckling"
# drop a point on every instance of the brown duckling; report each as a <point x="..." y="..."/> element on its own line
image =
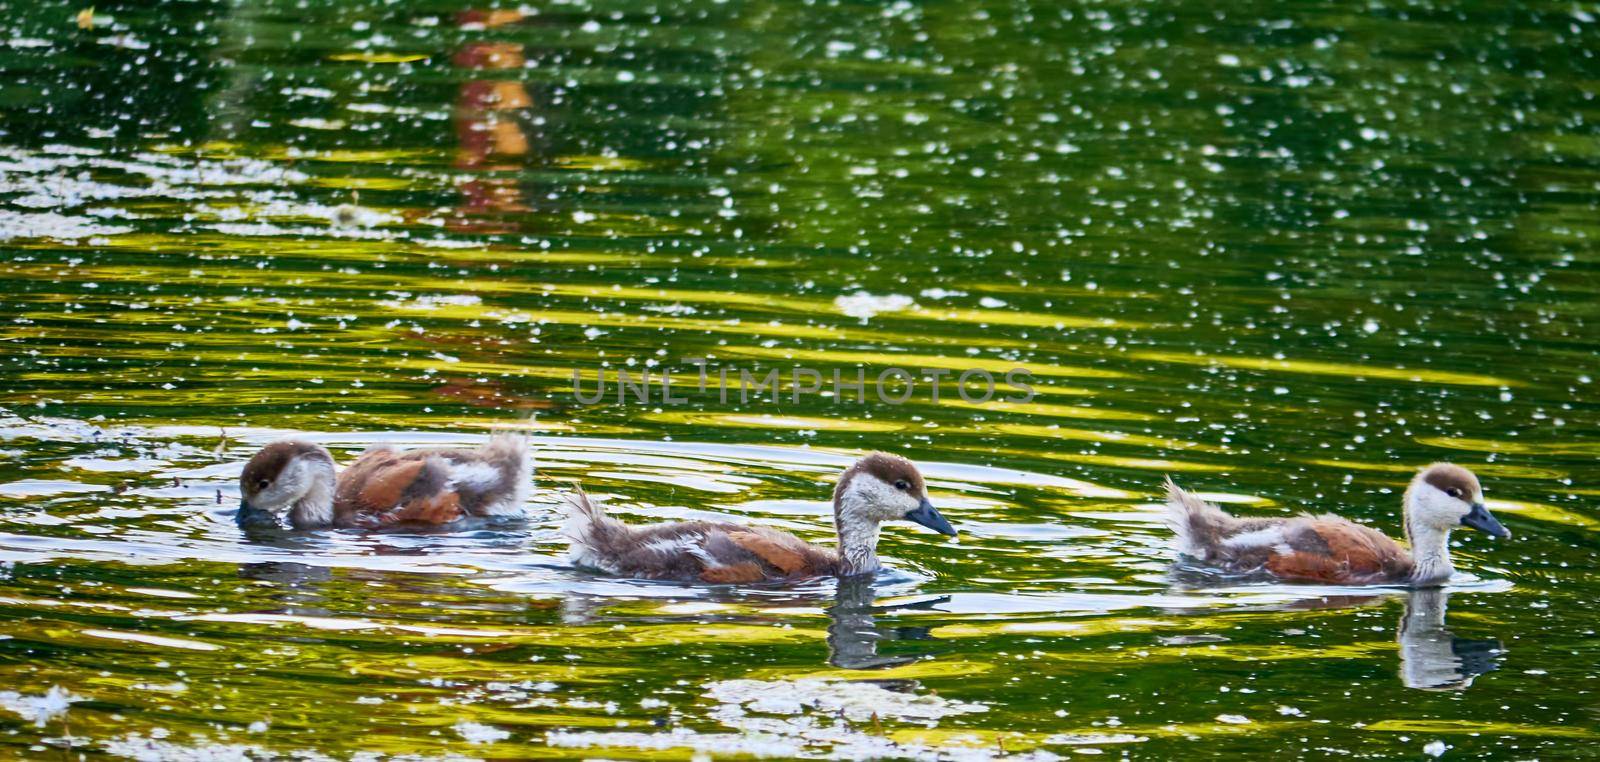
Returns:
<point x="880" y="487"/>
<point x="1333" y="550"/>
<point x="384" y="485"/>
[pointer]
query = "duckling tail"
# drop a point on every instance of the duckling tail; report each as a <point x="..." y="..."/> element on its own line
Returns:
<point x="590" y="532"/>
<point x="515" y="459"/>
<point x="1198" y="526"/>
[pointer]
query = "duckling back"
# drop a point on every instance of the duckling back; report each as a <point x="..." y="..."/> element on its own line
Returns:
<point x="689" y="551"/>
<point x="434" y="486"/>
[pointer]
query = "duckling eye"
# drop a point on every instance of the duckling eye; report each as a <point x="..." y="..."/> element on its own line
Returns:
<point x="262" y="484"/>
<point x="1453" y="492"/>
<point x="902" y="485"/>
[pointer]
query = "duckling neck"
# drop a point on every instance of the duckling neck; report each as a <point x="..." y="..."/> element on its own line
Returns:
<point x="315" y="506"/>
<point x="858" y="539"/>
<point x="1430" y="554"/>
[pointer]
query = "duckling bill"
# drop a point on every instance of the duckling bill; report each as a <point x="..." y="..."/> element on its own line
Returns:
<point x="880" y="487"/>
<point x="1333" y="550"/>
<point x="384" y="486"/>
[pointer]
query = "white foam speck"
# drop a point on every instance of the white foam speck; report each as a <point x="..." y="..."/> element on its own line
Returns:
<point x="856" y="701"/>
<point x="754" y="745"/>
<point x="865" y="306"/>
<point x="40" y="709"/>
<point x="808" y="718"/>
<point x="475" y="732"/>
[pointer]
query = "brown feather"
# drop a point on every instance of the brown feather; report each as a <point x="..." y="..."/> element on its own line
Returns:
<point x="724" y="553"/>
<point x="1334" y="550"/>
<point x="386" y="487"/>
<point x="441" y="508"/>
<point x="748" y="571"/>
<point x="1308" y="567"/>
<point x="887" y="468"/>
<point x="785" y="552"/>
<point x="375" y="482"/>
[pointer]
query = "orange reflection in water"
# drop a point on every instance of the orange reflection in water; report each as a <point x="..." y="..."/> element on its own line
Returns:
<point x="490" y="135"/>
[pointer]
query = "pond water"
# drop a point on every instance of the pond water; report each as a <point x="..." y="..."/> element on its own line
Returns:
<point x="1285" y="253"/>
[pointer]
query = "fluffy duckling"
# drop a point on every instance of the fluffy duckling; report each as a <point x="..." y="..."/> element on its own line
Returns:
<point x="1332" y="550"/>
<point x="384" y="486"/>
<point x="880" y="487"/>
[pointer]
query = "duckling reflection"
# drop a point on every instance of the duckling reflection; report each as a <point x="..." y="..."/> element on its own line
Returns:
<point x="853" y="634"/>
<point x="580" y="609"/>
<point x="1431" y="657"/>
<point x="299" y="584"/>
<point x="295" y="587"/>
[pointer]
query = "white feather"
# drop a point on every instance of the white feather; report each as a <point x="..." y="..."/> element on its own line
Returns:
<point x="521" y="480"/>
<point x="674" y="546"/>
<point x="1178" y="522"/>
<point x="1271" y="537"/>
<point x="476" y="476"/>
<point x="699" y="551"/>
<point x="582" y="517"/>
<point x="1181" y="507"/>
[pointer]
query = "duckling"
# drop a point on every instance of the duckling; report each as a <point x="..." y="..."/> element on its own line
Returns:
<point x="384" y="486"/>
<point x="880" y="487"/>
<point x="1332" y="550"/>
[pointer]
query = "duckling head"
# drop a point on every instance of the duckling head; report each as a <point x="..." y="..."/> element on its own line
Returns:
<point x="283" y="476"/>
<point x="883" y="487"/>
<point x="1444" y="496"/>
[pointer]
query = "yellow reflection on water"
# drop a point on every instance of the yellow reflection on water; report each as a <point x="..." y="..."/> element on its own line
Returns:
<point x="1519" y="448"/>
<point x="379" y="57"/>
<point x="1542" y="512"/>
<point x="1021" y="319"/>
<point x="920" y="670"/>
<point x="1477" y="728"/>
<point x="789" y="422"/>
<point x="949" y="398"/>
<point x="1313" y="367"/>
<point x="1161" y="465"/>
<point x="912" y="362"/>
<point x="1088" y="435"/>
<point x="603" y="163"/>
<point x="1503" y="470"/>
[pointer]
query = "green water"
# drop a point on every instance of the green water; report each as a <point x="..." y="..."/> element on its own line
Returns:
<point x="1286" y="253"/>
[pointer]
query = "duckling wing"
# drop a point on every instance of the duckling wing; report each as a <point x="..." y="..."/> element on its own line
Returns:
<point x="385" y="487"/>
<point x="1336" y="550"/>
<point x="783" y="552"/>
<point x="734" y="574"/>
<point x="678" y="550"/>
<point x="733" y="554"/>
<point x="438" y="508"/>
<point x="723" y="560"/>
<point x="698" y="551"/>
<point x="374" y="482"/>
